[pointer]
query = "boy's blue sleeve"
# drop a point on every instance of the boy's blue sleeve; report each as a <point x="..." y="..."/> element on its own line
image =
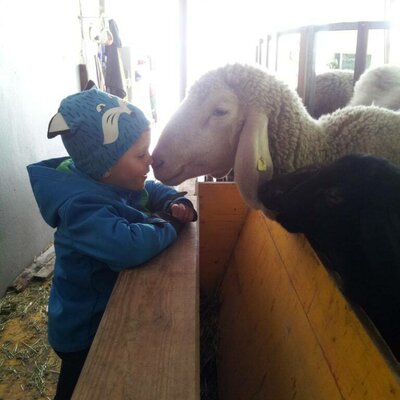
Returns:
<point x="162" y="196"/>
<point x="97" y="230"/>
<point x="159" y="195"/>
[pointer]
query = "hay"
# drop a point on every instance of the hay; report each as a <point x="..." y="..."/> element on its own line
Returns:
<point x="209" y="311"/>
<point x="28" y="366"/>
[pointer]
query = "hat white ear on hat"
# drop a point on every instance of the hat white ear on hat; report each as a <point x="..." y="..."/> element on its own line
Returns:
<point x="57" y="126"/>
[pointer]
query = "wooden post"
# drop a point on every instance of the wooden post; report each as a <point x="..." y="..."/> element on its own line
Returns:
<point x="183" y="47"/>
<point x="268" y="45"/>
<point x="361" y="50"/>
<point x="306" y="78"/>
<point x="276" y="50"/>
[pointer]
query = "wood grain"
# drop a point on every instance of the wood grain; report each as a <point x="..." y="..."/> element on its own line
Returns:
<point x="286" y="330"/>
<point x="222" y="213"/>
<point x="147" y="345"/>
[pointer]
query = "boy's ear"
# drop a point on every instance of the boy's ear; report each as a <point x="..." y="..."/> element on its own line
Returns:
<point x="90" y="85"/>
<point x="57" y="126"/>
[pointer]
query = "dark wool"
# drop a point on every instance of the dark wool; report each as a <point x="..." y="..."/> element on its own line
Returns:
<point x="350" y="212"/>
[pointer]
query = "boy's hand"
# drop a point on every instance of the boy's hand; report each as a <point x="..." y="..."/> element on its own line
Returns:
<point x="182" y="212"/>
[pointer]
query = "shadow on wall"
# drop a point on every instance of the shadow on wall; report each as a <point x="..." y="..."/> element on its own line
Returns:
<point x="35" y="77"/>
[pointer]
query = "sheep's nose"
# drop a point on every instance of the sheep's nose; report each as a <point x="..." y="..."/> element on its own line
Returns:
<point x="157" y="163"/>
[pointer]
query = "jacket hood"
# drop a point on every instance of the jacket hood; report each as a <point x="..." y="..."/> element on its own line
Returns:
<point x="53" y="188"/>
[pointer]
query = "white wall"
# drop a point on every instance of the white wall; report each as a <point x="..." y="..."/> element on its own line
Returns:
<point x="151" y="28"/>
<point x="39" y="57"/>
<point x="226" y="31"/>
<point x="40" y="49"/>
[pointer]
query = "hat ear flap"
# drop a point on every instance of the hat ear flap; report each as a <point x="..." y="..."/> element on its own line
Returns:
<point x="90" y="85"/>
<point x="57" y="126"/>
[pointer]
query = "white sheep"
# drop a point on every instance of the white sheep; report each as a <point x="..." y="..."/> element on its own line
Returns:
<point x="378" y="86"/>
<point x="333" y="90"/>
<point x="241" y="117"/>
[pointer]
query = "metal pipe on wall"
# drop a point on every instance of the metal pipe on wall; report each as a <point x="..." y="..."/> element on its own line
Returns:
<point x="183" y="49"/>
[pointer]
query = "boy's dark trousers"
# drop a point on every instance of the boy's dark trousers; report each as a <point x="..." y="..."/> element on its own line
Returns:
<point x="71" y="366"/>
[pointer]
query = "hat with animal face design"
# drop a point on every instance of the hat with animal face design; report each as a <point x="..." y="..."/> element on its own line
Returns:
<point x="97" y="129"/>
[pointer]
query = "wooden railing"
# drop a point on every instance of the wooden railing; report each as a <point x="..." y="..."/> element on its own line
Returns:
<point x="306" y="77"/>
<point x="285" y="330"/>
<point x="306" y="68"/>
<point x="147" y="344"/>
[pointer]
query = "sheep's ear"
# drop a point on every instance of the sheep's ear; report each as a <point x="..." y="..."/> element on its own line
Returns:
<point x="253" y="163"/>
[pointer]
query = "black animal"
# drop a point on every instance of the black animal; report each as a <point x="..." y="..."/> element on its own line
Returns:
<point x="350" y="212"/>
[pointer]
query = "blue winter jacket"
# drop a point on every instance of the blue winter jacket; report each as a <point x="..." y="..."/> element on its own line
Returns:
<point x="101" y="230"/>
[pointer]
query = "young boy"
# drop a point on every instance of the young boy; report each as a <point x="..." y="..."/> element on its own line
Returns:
<point x="106" y="214"/>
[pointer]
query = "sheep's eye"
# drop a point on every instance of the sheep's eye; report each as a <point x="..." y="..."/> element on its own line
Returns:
<point x="334" y="197"/>
<point x="278" y="193"/>
<point x="100" y="107"/>
<point x="219" y="112"/>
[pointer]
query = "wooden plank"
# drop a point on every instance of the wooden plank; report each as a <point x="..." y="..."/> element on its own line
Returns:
<point x="362" y="371"/>
<point x="146" y="347"/>
<point x="41" y="268"/>
<point x="222" y="212"/>
<point x="45" y="270"/>
<point x="286" y="331"/>
<point x="267" y="348"/>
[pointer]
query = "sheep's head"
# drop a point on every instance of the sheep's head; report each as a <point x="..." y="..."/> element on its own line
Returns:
<point x="201" y="138"/>
<point x="213" y="131"/>
<point x="330" y="199"/>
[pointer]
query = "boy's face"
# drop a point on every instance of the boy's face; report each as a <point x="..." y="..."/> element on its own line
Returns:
<point x="130" y="172"/>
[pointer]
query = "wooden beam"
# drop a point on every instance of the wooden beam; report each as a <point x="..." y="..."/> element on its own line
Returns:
<point x="286" y="330"/>
<point x="306" y="77"/>
<point x="147" y="344"/>
<point x="361" y="51"/>
<point x="222" y="213"/>
<point x="341" y="26"/>
<point x="267" y="50"/>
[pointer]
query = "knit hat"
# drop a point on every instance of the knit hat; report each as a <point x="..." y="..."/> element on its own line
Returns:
<point x="97" y="129"/>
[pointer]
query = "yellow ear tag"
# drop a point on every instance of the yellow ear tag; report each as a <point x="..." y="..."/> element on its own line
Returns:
<point x="261" y="165"/>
